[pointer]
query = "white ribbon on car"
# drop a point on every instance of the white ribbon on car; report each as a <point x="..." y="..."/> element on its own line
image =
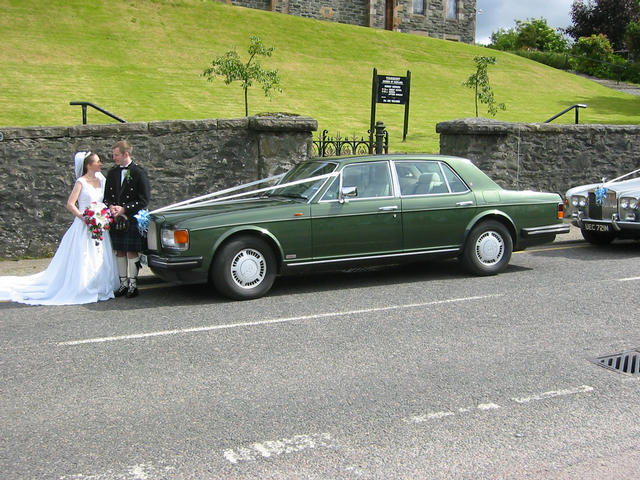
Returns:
<point x="209" y="199"/>
<point x="601" y="191"/>
<point x="621" y="177"/>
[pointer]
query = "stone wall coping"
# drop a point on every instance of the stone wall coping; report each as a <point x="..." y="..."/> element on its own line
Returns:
<point x="15" y="133"/>
<point x="276" y="122"/>
<point x="108" y="130"/>
<point x="289" y="123"/>
<point x="177" y="126"/>
<point x="487" y="126"/>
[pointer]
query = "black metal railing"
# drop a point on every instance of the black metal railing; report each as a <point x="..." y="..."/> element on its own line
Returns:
<point x="575" y="107"/>
<point x="100" y="109"/>
<point x="325" y="146"/>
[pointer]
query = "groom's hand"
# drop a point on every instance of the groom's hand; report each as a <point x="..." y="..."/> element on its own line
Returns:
<point x="116" y="210"/>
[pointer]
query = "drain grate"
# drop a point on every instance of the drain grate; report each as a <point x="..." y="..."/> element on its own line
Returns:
<point x="626" y="362"/>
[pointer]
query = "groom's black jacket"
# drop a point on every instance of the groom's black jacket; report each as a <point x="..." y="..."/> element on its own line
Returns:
<point x="134" y="194"/>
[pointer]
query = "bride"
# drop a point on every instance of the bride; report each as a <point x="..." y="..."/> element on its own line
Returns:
<point x="83" y="270"/>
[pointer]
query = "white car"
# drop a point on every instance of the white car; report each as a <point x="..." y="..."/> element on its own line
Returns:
<point x="607" y="210"/>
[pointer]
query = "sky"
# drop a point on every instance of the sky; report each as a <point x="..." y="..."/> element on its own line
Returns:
<point x="495" y="14"/>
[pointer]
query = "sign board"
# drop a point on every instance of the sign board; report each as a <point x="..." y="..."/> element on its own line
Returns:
<point x="392" y="90"/>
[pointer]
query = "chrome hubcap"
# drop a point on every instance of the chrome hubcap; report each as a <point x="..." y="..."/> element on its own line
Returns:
<point x="248" y="268"/>
<point x="489" y="248"/>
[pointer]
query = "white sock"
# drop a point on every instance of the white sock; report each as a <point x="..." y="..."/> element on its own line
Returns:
<point x="132" y="270"/>
<point x="121" y="263"/>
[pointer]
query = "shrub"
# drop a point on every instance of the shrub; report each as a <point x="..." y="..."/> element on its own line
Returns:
<point x="553" y="59"/>
<point x="591" y="55"/>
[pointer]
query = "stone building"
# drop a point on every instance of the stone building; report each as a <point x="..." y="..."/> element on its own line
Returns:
<point x="448" y="19"/>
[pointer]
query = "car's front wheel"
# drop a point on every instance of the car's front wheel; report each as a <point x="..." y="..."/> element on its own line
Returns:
<point x="597" y="238"/>
<point x="488" y="248"/>
<point x="244" y="268"/>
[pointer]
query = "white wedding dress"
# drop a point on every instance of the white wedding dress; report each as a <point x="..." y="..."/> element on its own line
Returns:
<point x="79" y="272"/>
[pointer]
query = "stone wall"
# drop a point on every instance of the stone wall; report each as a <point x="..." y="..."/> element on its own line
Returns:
<point x="184" y="159"/>
<point x="547" y="157"/>
<point x="434" y="22"/>
<point x="372" y="13"/>
<point x="351" y="12"/>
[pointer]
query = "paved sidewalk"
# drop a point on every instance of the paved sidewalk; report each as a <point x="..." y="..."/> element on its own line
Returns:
<point x="29" y="267"/>
<point x="630" y="88"/>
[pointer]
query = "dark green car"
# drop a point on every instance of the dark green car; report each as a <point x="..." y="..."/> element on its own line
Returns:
<point x="345" y="212"/>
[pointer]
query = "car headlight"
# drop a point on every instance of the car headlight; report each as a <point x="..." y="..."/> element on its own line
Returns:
<point x="578" y="201"/>
<point x="629" y="203"/>
<point x="177" y="239"/>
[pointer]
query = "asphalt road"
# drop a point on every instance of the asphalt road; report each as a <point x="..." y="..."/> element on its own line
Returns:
<point x="413" y="372"/>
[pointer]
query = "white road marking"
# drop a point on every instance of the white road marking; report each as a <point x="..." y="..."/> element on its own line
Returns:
<point x="272" y="321"/>
<point x="494" y="406"/>
<point x="554" y="393"/>
<point x="629" y="279"/>
<point x="143" y="471"/>
<point x="430" y="416"/>
<point x="283" y="446"/>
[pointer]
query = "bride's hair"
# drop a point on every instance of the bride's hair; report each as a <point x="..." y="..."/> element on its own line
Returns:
<point x="87" y="161"/>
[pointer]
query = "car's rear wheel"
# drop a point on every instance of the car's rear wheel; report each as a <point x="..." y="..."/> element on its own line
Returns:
<point x="597" y="238"/>
<point x="488" y="248"/>
<point x="244" y="268"/>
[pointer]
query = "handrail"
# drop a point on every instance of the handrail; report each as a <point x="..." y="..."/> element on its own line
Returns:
<point x="577" y="107"/>
<point x="100" y="109"/>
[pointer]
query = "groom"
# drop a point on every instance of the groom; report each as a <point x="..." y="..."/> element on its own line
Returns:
<point x="126" y="192"/>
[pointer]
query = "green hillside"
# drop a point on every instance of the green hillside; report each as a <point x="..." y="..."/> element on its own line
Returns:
<point x="142" y="60"/>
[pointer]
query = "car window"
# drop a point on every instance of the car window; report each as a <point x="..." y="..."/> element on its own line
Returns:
<point x="420" y="178"/>
<point x="370" y="179"/>
<point x="301" y="171"/>
<point x="456" y="185"/>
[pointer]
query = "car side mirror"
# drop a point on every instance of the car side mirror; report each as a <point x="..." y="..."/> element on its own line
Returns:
<point x="347" y="192"/>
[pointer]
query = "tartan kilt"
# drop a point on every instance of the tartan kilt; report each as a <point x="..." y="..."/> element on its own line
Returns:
<point x="129" y="241"/>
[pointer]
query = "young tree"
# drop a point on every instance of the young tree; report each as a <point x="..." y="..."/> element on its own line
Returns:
<point x="232" y="69"/>
<point x="479" y="81"/>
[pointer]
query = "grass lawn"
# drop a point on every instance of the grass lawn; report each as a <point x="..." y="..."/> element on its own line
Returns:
<point x="143" y="61"/>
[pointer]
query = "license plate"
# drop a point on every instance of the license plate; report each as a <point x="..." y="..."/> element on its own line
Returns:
<point x="597" y="227"/>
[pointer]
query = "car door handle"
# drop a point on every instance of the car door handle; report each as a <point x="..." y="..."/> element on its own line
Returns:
<point x="464" y="204"/>
<point x="388" y="209"/>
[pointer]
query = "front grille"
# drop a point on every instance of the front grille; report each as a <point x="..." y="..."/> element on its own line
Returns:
<point x="606" y="210"/>
<point x="152" y="239"/>
<point x="626" y="362"/>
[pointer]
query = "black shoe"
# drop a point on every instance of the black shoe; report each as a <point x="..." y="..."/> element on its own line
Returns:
<point x="132" y="291"/>
<point x="121" y="290"/>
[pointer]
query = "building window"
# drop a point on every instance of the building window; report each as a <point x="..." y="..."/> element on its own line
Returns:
<point x="452" y="9"/>
<point x="418" y="7"/>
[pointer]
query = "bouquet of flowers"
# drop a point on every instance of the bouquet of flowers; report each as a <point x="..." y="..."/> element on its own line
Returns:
<point x="98" y="219"/>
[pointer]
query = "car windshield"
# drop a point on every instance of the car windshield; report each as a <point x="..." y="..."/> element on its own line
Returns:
<point x="301" y="171"/>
